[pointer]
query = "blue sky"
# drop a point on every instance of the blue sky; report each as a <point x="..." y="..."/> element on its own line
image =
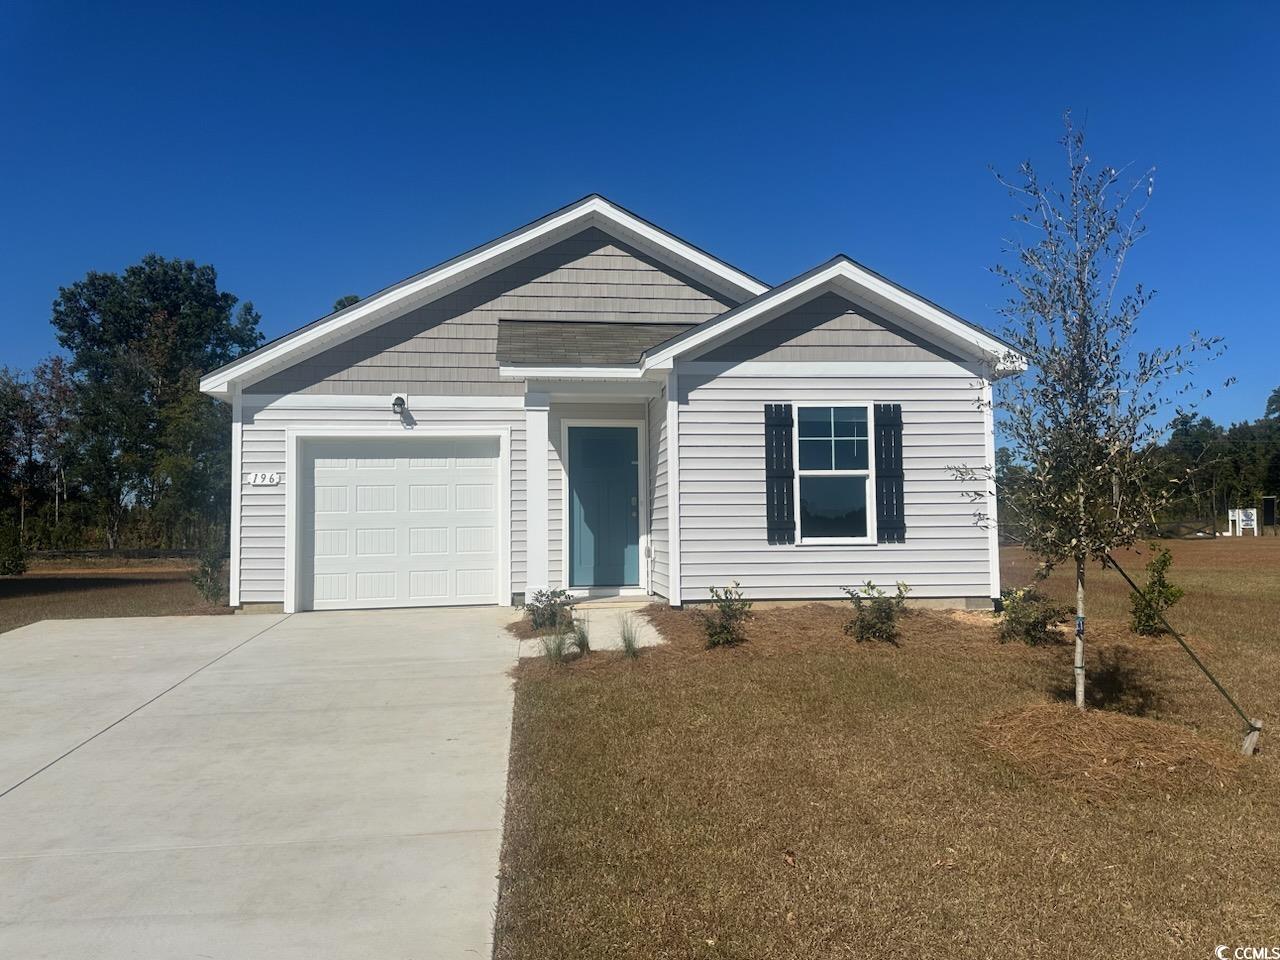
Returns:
<point x="311" y="151"/>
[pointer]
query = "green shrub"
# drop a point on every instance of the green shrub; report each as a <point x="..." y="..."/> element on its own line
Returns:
<point x="208" y="576"/>
<point x="549" y="609"/>
<point x="724" y="620"/>
<point x="627" y="631"/>
<point x="875" y="613"/>
<point x="1158" y="595"/>
<point x="13" y="558"/>
<point x="1030" y="616"/>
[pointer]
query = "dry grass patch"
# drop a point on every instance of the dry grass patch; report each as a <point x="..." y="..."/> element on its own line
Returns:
<point x="1110" y="756"/>
<point x="802" y="795"/>
<point x="54" y="592"/>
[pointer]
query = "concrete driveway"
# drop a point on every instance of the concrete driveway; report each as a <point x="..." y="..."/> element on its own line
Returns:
<point x="312" y="786"/>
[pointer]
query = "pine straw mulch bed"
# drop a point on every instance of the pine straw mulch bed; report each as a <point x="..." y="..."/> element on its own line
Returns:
<point x="1108" y="756"/>
<point x="802" y="795"/>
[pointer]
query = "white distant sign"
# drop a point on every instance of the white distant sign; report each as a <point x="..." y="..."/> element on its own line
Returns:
<point x="264" y="479"/>
<point x="1241" y="519"/>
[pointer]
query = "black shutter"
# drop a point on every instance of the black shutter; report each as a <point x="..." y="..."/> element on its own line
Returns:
<point x="891" y="524"/>
<point x="779" y="474"/>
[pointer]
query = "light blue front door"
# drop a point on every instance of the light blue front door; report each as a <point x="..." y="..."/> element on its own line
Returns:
<point x="604" y="507"/>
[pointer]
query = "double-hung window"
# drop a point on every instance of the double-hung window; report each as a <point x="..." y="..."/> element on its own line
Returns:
<point x="835" y="471"/>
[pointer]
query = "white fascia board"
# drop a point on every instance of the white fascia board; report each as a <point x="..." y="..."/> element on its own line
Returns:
<point x="381" y="307"/>
<point x="597" y="391"/>
<point x="326" y="401"/>
<point x="835" y="368"/>
<point x="631" y="372"/>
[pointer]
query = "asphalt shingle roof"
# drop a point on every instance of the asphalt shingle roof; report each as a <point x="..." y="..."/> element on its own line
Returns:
<point x="573" y="342"/>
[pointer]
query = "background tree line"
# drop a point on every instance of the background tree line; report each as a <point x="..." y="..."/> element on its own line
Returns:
<point x="110" y="444"/>
<point x="1213" y="468"/>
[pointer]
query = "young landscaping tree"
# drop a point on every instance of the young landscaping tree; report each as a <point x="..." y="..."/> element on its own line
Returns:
<point x="1086" y="419"/>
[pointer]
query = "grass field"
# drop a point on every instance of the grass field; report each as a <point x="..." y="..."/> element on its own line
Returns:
<point x="803" y="796"/>
<point x="64" y="592"/>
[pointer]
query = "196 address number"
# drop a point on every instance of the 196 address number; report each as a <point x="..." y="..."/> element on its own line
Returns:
<point x="264" y="479"/>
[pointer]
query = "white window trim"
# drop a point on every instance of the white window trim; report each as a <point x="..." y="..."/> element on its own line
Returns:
<point x="643" y="520"/>
<point x="870" y="473"/>
<point x="296" y="436"/>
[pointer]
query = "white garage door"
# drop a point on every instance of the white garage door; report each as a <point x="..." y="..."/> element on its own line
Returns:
<point x="399" y="523"/>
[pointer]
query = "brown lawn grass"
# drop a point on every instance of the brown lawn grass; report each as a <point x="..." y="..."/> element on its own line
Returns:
<point x="63" y="591"/>
<point x="803" y="796"/>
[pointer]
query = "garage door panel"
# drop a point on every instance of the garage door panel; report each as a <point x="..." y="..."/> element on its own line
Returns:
<point x="475" y="583"/>
<point x="332" y="543"/>
<point x="428" y="540"/>
<point x="331" y="499"/>
<point x="429" y="584"/>
<point x="376" y="585"/>
<point x="330" y="587"/>
<point x="475" y="496"/>
<point x="399" y="523"/>
<point x="474" y="540"/>
<point x="376" y="542"/>
<point x="380" y="498"/>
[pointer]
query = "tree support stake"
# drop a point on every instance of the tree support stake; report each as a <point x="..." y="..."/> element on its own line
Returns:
<point x="1253" y="728"/>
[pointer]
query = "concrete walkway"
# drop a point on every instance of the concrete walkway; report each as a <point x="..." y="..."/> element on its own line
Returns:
<point x="604" y="626"/>
<point x="325" y="785"/>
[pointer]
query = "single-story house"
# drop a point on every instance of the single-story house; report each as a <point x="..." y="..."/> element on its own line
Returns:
<point x="594" y="404"/>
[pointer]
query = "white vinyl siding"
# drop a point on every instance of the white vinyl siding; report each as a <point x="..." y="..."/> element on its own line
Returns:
<point x="659" y="560"/>
<point x="722" y="490"/>
<point x="262" y="509"/>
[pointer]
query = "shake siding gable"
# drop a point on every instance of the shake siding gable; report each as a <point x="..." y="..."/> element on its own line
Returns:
<point x="448" y="347"/>
<point x="829" y="327"/>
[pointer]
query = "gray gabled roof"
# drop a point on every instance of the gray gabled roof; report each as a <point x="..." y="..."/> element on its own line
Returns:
<point x="574" y="342"/>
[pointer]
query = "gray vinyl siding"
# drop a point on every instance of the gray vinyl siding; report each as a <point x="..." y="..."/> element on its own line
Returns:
<point x="262" y="509"/>
<point x="557" y="546"/>
<point x="827" y="323"/>
<point x="722" y="490"/>
<point x="659" y="560"/>
<point x="448" y="346"/>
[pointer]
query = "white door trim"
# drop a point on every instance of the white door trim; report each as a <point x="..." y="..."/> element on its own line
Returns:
<point x="296" y="436"/>
<point x="642" y="494"/>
